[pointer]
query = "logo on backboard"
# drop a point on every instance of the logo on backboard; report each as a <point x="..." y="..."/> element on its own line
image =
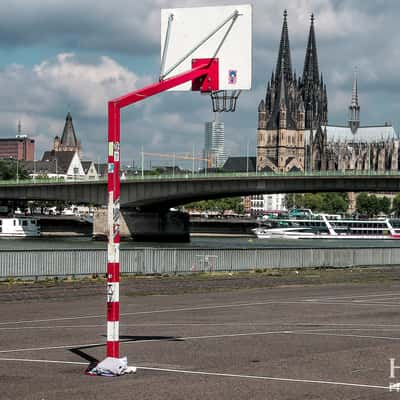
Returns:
<point x="232" y="76"/>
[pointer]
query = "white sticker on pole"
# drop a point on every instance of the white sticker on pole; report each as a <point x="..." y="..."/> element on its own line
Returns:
<point x="116" y="151"/>
<point x="112" y="292"/>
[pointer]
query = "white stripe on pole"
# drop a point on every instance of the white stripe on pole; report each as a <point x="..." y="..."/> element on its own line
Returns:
<point x="112" y="331"/>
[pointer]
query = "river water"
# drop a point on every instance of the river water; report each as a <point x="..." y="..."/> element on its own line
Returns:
<point x="196" y="242"/>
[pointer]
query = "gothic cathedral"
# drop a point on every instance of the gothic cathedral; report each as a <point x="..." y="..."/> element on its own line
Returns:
<point x="292" y="105"/>
<point x="293" y="132"/>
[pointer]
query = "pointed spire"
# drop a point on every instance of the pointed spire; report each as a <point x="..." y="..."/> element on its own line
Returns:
<point x="354" y="109"/>
<point x="311" y="69"/>
<point x="284" y="62"/>
<point x="68" y="137"/>
<point x="354" y="96"/>
<point x="19" y="128"/>
<point x="261" y="106"/>
<point x="282" y="90"/>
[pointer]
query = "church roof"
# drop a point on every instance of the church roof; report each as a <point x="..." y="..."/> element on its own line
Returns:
<point x="64" y="159"/>
<point x="363" y="133"/>
<point x="68" y="137"/>
<point x="240" y="164"/>
<point x="39" y="167"/>
<point x="86" y="165"/>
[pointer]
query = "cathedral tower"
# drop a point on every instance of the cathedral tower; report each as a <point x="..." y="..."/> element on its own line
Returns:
<point x="281" y="116"/>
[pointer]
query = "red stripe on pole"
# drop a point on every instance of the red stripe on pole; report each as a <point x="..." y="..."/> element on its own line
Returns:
<point x="113" y="231"/>
<point x="113" y="349"/>
<point x="112" y="272"/>
<point x="113" y="311"/>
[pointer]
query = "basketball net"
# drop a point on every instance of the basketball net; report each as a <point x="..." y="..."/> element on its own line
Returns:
<point x="224" y="100"/>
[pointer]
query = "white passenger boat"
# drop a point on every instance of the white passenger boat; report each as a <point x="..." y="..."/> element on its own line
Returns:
<point x="324" y="228"/>
<point x="19" y="227"/>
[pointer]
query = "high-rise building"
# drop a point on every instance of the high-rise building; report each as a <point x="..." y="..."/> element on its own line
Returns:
<point x="214" y="143"/>
<point x="21" y="148"/>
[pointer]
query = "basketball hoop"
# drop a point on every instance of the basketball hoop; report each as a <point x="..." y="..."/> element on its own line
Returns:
<point x="224" y="100"/>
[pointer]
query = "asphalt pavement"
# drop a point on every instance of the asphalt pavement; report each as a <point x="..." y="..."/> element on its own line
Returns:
<point x="331" y="341"/>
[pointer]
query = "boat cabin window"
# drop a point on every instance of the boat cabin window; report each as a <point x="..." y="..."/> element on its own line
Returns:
<point x="24" y="223"/>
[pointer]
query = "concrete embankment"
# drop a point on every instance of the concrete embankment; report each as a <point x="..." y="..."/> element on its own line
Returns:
<point x="76" y="226"/>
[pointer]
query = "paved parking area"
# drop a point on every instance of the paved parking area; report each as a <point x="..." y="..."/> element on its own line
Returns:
<point x="318" y="342"/>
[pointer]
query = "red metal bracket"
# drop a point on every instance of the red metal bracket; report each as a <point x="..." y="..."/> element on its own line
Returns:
<point x="209" y="82"/>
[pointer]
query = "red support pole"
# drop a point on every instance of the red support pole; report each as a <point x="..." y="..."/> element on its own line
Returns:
<point x="203" y="71"/>
<point x="113" y="230"/>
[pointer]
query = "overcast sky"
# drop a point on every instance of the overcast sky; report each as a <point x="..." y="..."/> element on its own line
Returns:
<point x="58" y="56"/>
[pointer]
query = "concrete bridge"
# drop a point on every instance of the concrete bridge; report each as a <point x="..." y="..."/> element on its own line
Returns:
<point x="165" y="192"/>
<point x="145" y="203"/>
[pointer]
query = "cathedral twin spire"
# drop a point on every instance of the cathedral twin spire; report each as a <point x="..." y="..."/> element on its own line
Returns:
<point x="306" y="95"/>
<point x="311" y="69"/>
<point x="284" y="62"/>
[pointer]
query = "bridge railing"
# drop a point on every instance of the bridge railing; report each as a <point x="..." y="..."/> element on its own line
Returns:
<point x="204" y="175"/>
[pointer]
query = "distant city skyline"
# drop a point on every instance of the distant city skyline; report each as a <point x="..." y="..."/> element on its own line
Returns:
<point x="73" y="61"/>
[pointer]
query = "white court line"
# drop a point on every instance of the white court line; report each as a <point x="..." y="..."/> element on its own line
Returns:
<point x="212" y="324"/>
<point x="319" y="332"/>
<point x="346" y="335"/>
<point x="374" y="327"/>
<point x="305" y="300"/>
<point x="352" y="303"/>
<point x="219" y="374"/>
<point x="168" y="310"/>
<point x="71" y="346"/>
<point x="354" y="297"/>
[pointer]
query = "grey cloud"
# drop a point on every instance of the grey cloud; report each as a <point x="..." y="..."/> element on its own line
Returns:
<point x="349" y="33"/>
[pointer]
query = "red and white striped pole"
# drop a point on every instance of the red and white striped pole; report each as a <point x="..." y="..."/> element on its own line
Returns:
<point x="113" y="230"/>
<point x="201" y="69"/>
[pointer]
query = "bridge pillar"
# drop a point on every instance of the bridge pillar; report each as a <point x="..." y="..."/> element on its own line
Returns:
<point x="155" y="226"/>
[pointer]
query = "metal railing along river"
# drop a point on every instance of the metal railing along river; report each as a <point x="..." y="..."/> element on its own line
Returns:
<point x="74" y="262"/>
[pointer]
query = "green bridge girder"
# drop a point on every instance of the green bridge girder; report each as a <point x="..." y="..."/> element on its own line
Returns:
<point x="168" y="191"/>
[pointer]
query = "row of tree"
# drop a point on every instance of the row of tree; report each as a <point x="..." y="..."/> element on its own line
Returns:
<point x="220" y="205"/>
<point x="333" y="203"/>
<point x="372" y="205"/>
<point x="330" y="203"/>
<point x="9" y="170"/>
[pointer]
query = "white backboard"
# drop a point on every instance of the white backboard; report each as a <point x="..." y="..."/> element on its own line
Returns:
<point x="190" y="26"/>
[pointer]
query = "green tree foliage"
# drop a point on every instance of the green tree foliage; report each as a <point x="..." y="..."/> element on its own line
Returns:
<point x="220" y="205"/>
<point x="384" y="205"/>
<point x="8" y="170"/>
<point x="372" y="205"/>
<point x="396" y="205"/>
<point x="330" y="203"/>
